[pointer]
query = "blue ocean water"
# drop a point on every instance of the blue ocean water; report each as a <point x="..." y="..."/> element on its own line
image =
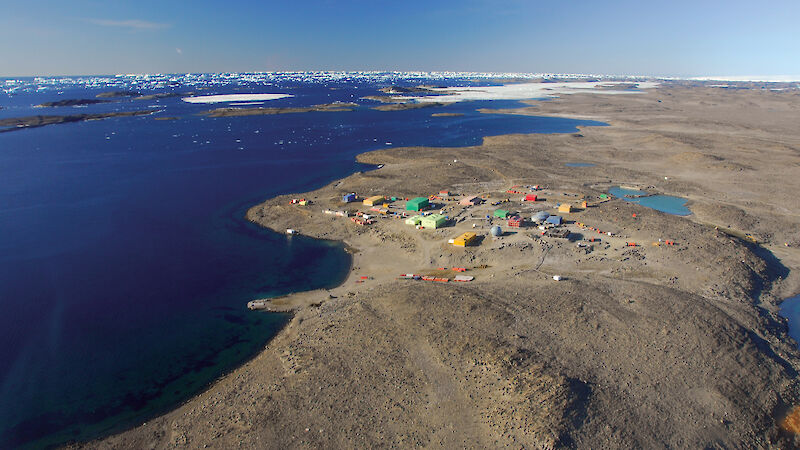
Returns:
<point x="664" y="203"/>
<point x="125" y="259"/>
<point x="790" y="309"/>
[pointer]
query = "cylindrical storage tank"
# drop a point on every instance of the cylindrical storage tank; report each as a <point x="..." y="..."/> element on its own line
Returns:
<point x="496" y="231"/>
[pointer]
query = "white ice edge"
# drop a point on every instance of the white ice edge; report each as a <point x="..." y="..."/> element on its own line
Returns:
<point x="524" y="91"/>
<point x="752" y="78"/>
<point x="234" y="98"/>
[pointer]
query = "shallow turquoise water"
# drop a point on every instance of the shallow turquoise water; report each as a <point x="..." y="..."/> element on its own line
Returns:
<point x="664" y="203"/>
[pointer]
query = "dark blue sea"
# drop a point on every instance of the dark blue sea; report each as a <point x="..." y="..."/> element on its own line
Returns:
<point x="125" y="259"/>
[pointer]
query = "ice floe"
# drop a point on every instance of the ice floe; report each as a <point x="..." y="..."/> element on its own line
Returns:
<point x="234" y="98"/>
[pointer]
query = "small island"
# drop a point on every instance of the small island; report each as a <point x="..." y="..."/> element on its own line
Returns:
<point x="108" y="97"/>
<point x="385" y="99"/>
<point x="163" y="95"/>
<point x="408" y="90"/>
<point x="405" y="106"/>
<point x="118" y="94"/>
<point x="71" y="102"/>
<point x="394" y="90"/>
<point x="260" y="111"/>
<point x="19" y="123"/>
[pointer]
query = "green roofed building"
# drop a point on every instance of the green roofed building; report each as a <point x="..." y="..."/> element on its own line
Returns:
<point x="416" y="220"/>
<point x="433" y="221"/>
<point x="417" y="204"/>
<point x="500" y="213"/>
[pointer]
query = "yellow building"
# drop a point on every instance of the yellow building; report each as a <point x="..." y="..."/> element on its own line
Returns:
<point x="465" y="239"/>
<point x="374" y="200"/>
<point x="564" y="208"/>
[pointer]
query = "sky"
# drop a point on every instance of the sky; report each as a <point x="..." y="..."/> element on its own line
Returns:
<point x="659" y="38"/>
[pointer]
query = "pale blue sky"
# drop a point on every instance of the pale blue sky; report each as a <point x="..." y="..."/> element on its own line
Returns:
<point x="669" y="38"/>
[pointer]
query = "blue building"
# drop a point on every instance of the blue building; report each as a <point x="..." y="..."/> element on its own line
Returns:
<point x="555" y="220"/>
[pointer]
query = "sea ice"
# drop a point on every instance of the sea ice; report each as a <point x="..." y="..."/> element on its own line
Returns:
<point x="524" y="91"/>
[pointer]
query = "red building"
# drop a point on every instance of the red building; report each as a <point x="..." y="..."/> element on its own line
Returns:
<point x="515" y="221"/>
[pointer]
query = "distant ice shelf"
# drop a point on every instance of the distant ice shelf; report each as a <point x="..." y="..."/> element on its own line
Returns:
<point x="158" y="81"/>
<point x="547" y="82"/>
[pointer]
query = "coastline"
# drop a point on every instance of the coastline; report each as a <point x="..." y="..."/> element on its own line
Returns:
<point x="726" y="308"/>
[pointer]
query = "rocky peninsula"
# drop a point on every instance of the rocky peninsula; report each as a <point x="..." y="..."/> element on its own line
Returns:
<point x="650" y="345"/>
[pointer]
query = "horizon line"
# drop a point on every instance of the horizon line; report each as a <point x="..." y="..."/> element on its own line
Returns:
<point x="483" y="74"/>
